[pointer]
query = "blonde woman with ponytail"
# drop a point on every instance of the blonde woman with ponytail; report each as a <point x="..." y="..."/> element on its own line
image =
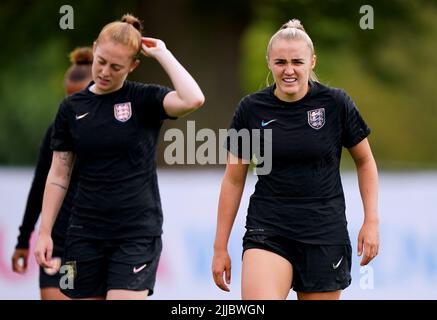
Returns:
<point x="111" y="129"/>
<point x="296" y="236"/>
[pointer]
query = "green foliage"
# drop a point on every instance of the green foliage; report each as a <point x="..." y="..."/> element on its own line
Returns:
<point x="388" y="71"/>
<point x="30" y="93"/>
<point x="34" y="59"/>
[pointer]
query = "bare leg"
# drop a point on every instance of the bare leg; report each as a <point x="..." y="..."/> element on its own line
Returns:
<point x="333" y="295"/>
<point x="53" y="294"/>
<point x="266" y="275"/>
<point x="127" y="295"/>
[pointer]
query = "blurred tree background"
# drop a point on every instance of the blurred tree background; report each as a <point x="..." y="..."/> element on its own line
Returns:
<point x="389" y="71"/>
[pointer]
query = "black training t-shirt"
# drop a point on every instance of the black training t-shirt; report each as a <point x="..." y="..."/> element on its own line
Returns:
<point x="302" y="197"/>
<point x="114" y="137"/>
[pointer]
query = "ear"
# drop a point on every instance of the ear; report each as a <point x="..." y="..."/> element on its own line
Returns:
<point x="268" y="62"/>
<point x="313" y="61"/>
<point x="134" y="65"/>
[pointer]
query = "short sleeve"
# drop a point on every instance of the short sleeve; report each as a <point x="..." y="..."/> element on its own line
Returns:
<point x="150" y="101"/>
<point x="238" y="140"/>
<point x="61" y="135"/>
<point x="355" y="128"/>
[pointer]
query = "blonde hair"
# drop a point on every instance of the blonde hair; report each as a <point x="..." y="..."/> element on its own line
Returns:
<point x="293" y="30"/>
<point x="127" y="32"/>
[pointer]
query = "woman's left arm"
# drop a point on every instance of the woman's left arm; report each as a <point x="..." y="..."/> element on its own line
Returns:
<point x="368" y="238"/>
<point x="187" y="97"/>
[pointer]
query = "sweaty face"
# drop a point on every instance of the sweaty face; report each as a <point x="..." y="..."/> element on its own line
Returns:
<point x="291" y="62"/>
<point x="111" y="65"/>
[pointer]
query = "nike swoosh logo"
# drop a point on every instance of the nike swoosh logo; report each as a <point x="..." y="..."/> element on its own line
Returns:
<point x="263" y="124"/>
<point x="136" y="270"/>
<point x="81" y="116"/>
<point x="335" y="266"/>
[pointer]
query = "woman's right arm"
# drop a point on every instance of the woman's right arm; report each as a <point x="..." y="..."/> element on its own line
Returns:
<point x="229" y="202"/>
<point x="56" y="187"/>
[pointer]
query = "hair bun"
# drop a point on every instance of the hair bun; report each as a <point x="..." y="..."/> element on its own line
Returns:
<point x="293" y="23"/>
<point x="134" y="21"/>
<point x="82" y="55"/>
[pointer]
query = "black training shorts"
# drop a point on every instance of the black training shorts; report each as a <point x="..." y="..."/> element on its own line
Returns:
<point x="316" y="268"/>
<point x="97" y="266"/>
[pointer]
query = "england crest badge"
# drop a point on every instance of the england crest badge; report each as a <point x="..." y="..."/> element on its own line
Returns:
<point x="316" y="118"/>
<point x="122" y="111"/>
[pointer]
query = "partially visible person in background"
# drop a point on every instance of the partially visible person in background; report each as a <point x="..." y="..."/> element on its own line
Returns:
<point x="76" y="78"/>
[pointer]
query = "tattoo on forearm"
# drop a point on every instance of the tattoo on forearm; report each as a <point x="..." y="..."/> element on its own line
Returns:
<point x="66" y="158"/>
<point x="59" y="185"/>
